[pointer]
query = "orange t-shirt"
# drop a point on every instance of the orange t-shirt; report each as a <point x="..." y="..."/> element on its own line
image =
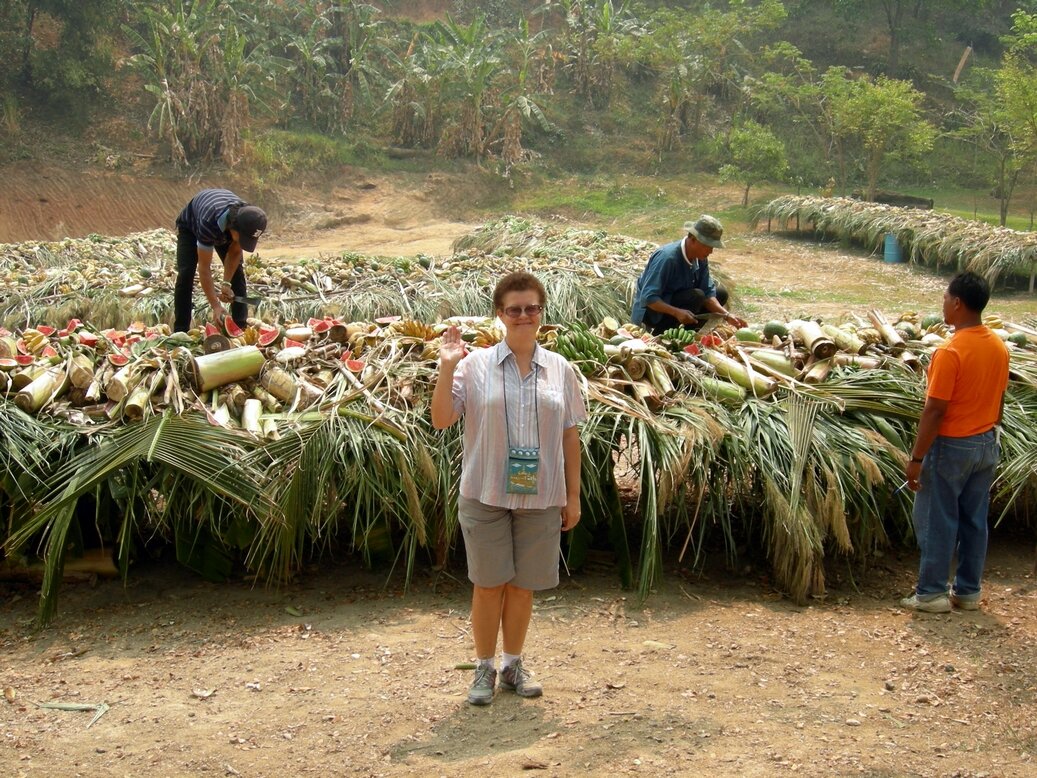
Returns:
<point x="970" y="371"/>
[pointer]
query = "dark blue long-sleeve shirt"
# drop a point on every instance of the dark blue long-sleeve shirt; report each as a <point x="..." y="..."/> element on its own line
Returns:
<point x="206" y="217"/>
<point x="666" y="274"/>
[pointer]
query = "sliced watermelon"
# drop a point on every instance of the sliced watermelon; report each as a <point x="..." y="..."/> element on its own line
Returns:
<point x="387" y="319"/>
<point x="8" y="363"/>
<point x="22" y="348"/>
<point x="116" y="337"/>
<point x="211" y="329"/>
<point x="269" y="334"/>
<point x="354" y="365"/>
<point x="88" y="339"/>
<point x="346" y="355"/>
<point x="289" y="343"/>
<point x="232" y="329"/>
<point x="692" y="348"/>
<point x="49" y="351"/>
<point x="46" y="329"/>
<point x="24" y="359"/>
<point x="118" y="360"/>
<point x="73" y="325"/>
<point x="319" y="325"/>
<point x="137" y="327"/>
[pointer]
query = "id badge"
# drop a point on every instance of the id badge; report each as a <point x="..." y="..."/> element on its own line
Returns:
<point x="523" y="467"/>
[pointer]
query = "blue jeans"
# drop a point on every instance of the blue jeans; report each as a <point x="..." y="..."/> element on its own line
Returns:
<point x="951" y="513"/>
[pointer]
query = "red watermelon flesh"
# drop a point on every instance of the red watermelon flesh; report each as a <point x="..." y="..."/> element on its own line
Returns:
<point x="232" y="329"/>
<point x="268" y="334"/>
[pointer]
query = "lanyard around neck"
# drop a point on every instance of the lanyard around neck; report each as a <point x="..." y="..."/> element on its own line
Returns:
<point x="536" y="402"/>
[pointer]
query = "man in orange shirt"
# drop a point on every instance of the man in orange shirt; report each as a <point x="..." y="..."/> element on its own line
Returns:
<point x="956" y="452"/>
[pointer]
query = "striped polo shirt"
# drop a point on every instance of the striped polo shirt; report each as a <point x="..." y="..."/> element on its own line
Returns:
<point x="480" y="382"/>
<point x="206" y="217"/>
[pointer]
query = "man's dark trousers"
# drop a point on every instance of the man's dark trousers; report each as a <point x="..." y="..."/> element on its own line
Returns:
<point x="186" y="267"/>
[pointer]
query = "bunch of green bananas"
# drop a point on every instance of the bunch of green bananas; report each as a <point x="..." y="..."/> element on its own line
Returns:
<point x="677" y="338"/>
<point x="582" y="347"/>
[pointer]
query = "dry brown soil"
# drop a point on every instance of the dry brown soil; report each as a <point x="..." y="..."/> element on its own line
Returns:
<point x="336" y="675"/>
<point x="339" y="675"/>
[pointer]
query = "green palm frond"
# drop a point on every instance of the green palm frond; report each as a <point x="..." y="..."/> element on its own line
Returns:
<point x="347" y="465"/>
<point x="186" y="445"/>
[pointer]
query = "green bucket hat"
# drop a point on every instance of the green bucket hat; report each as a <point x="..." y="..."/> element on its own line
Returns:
<point x="706" y="230"/>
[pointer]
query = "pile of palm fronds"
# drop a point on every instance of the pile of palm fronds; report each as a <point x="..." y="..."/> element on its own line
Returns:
<point x="109" y="282"/>
<point x="314" y="438"/>
<point x="927" y="237"/>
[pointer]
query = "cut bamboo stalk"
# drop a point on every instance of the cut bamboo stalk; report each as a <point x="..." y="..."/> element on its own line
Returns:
<point x="636" y="368"/>
<point x="5" y="382"/>
<point x="226" y="367"/>
<point x="23" y="378"/>
<point x="250" y="414"/>
<point x="847" y="341"/>
<point x="139" y="400"/>
<point x="659" y="378"/>
<point x="8" y="346"/>
<point x="817" y="372"/>
<point x="222" y="415"/>
<point x="81" y="371"/>
<point x="308" y="394"/>
<point x="646" y="393"/>
<point x="733" y="370"/>
<point x="889" y="334"/>
<point x="93" y="392"/>
<point x="123" y="382"/>
<point x="324" y="378"/>
<point x="720" y="390"/>
<point x="813" y="337"/>
<point x="236" y="397"/>
<point x="278" y="383"/>
<point x="270" y="403"/>
<point x="270" y="431"/>
<point x="854" y="360"/>
<point x="773" y="360"/>
<point x="42" y="390"/>
<point x="912" y="361"/>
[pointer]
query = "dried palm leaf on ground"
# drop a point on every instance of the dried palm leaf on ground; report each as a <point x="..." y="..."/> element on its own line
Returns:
<point x="928" y="237"/>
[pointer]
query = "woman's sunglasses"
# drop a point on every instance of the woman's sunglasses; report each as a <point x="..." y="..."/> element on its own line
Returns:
<point x="514" y="311"/>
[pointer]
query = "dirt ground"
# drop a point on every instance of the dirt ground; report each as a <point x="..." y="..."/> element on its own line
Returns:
<point x="340" y="674"/>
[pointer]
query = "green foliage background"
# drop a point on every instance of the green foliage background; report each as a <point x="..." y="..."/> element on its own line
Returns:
<point x="585" y="86"/>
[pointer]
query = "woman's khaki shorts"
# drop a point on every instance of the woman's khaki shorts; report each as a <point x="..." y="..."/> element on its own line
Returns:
<point x="515" y="546"/>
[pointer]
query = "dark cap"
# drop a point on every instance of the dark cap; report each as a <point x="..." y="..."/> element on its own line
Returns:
<point x="707" y="230"/>
<point x="250" y="224"/>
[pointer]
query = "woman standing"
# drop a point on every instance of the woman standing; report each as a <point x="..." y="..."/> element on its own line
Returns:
<point x="520" y="474"/>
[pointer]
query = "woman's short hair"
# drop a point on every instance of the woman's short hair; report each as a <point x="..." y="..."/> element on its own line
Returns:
<point x="519" y="281"/>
